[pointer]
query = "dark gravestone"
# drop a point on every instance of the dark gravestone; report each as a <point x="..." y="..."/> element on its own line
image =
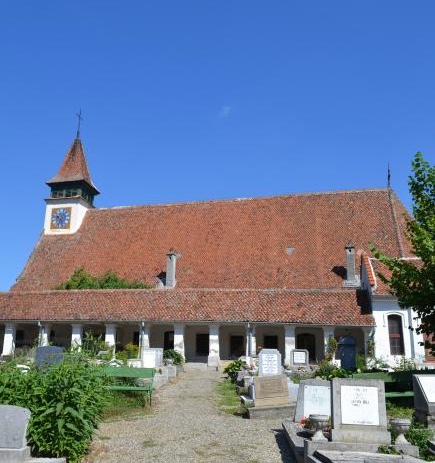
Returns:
<point x="48" y="355"/>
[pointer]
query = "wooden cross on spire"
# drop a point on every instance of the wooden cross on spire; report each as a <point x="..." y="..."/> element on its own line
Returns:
<point x="80" y="118"/>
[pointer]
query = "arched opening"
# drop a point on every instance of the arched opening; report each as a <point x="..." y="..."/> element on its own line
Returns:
<point x="395" y="333"/>
<point x="307" y="341"/>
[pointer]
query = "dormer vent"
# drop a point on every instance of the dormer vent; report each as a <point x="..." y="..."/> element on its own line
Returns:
<point x="171" y="261"/>
<point x="352" y="280"/>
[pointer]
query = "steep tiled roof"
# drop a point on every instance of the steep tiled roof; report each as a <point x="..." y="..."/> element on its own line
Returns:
<point x="283" y="242"/>
<point x="327" y="307"/>
<point x="74" y="166"/>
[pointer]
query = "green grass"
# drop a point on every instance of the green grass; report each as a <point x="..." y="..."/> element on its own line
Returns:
<point x="124" y="405"/>
<point x="228" y="400"/>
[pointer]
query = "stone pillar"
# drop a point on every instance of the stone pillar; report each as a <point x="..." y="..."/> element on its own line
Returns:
<point x="44" y="336"/>
<point x="253" y="341"/>
<point x="144" y="335"/>
<point x="289" y="343"/>
<point x="179" y="339"/>
<point x="77" y="335"/>
<point x="9" y="339"/>
<point x="213" y="346"/>
<point x="110" y="335"/>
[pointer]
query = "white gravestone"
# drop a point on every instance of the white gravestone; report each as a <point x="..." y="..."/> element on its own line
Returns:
<point x="299" y="358"/>
<point x="314" y="398"/>
<point x="269" y="362"/>
<point x="359" y="413"/>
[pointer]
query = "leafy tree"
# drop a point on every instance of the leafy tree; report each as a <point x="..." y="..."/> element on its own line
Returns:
<point x="80" y="279"/>
<point x="413" y="282"/>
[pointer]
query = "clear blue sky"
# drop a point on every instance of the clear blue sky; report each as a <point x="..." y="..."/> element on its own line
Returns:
<point x="196" y="100"/>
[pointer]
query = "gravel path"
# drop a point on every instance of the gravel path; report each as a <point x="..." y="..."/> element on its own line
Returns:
<point x="186" y="426"/>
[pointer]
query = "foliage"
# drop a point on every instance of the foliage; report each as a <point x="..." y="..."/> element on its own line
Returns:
<point x="233" y="368"/>
<point x="328" y="370"/>
<point x="419" y="435"/>
<point x="92" y="344"/>
<point x="414" y="285"/>
<point x="404" y="364"/>
<point x="361" y="364"/>
<point x="331" y="348"/>
<point x="80" y="279"/>
<point x="395" y="410"/>
<point x="66" y="403"/>
<point x="130" y="351"/>
<point x="174" y="355"/>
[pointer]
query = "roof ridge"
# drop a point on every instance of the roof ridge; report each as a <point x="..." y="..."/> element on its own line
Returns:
<point x="255" y="198"/>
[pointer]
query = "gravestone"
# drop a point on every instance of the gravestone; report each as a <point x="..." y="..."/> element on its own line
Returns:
<point x="271" y="391"/>
<point x="424" y="399"/>
<point x="299" y="358"/>
<point x="358" y="411"/>
<point x="151" y="357"/>
<point x="48" y="355"/>
<point x="269" y="362"/>
<point x="314" y="398"/>
<point x="13" y="428"/>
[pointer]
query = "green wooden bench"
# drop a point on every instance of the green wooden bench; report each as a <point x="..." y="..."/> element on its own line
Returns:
<point x="142" y="379"/>
<point x="398" y="384"/>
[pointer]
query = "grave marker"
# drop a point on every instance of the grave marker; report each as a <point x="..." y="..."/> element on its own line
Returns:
<point x="271" y="391"/>
<point x="358" y="411"/>
<point x="299" y="358"/>
<point x="424" y="399"/>
<point x="314" y="398"/>
<point x="48" y="355"/>
<point x="269" y="362"/>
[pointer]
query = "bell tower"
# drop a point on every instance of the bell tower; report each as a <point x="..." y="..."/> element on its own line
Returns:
<point x="72" y="193"/>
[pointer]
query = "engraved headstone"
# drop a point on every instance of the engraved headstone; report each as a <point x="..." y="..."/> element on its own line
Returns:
<point x="299" y="358"/>
<point x="13" y="426"/>
<point x="48" y="355"/>
<point x="151" y="357"/>
<point x="358" y="411"/>
<point x="269" y="362"/>
<point x="424" y="399"/>
<point x="271" y="391"/>
<point x="314" y="398"/>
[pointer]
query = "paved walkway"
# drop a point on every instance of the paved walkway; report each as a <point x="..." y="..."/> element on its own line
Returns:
<point x="186" y="426"/>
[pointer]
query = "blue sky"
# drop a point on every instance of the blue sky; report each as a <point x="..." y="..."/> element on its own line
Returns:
<point x="196" y="100"/>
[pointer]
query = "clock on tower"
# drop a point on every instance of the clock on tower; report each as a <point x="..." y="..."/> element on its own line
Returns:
<point x="60" y="218"/>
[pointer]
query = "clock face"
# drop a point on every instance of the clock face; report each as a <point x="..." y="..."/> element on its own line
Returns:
<point x="61" y="217"/>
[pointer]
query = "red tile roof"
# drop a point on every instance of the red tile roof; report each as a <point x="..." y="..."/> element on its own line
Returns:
<point x="74" y="167"/>
<point x="327" y="307"/>
<point x="283" y="242"/>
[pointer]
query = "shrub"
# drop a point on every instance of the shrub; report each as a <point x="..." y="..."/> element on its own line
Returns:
<point x="419" y="435"/>
<point x="174" y="355"/>
<point x="233" y="368"/>
<point x="328" y="370"/>
<point x="65" y="400"/>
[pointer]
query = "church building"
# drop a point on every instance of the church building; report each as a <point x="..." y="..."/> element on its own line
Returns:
<point x="225" y="277"/>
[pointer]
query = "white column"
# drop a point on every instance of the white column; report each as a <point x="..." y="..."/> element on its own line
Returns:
<point x="213" y="346"/>
<point x="9" y="339"/>
<point x="289" y="343"/>
<point x="44" y="337"/>
<point x="145" y="335"/>
<point x="77" y="335"/>
<point x="110" y="335"/>
<point x="179" y="339"/>
<point x="253" y="341"/>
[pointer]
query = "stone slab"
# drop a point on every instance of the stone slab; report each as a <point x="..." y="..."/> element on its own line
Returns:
<point x="48" y="355"/>
<point x="13" y="426"/>
<point x="281" y="412"/>
<point x="334" y="456"/>
<point x="14" y="455"/>
<point x="299" y="358"/>
<point x="358" y="411"/>
<point x="424" y="399"/>
<point x="271" y="390"/>
<point x="314" y="397"/>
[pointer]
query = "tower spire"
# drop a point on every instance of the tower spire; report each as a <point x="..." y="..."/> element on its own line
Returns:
<point x="80" y="118"/>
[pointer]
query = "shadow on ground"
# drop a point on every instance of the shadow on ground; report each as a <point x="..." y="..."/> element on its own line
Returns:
<point x="284" y="448"/>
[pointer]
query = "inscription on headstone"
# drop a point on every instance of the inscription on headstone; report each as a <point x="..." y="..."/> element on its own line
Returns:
<point x="271" y="390"/>
<point x="269" y="362"/>
<point x="299" y="358"/>
<point x="359" y="405"/>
